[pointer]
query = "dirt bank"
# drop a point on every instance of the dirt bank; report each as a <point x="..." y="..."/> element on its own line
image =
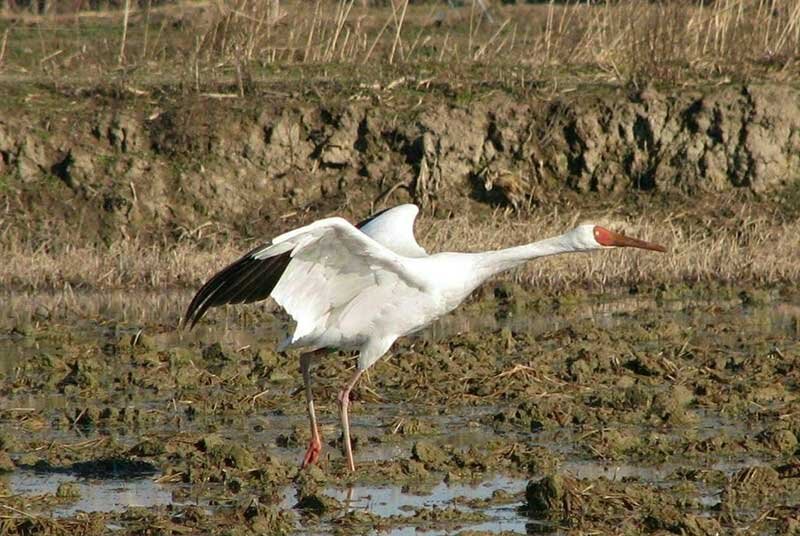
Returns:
<point x="88" y="166"/>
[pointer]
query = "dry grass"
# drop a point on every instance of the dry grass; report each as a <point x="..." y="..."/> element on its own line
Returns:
<point x="750" y="249"/>
<point x="745" y="248"/>
<point x="203" y="44"/>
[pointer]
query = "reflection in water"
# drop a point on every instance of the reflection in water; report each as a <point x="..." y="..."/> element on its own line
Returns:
<point x="391" y="500"/>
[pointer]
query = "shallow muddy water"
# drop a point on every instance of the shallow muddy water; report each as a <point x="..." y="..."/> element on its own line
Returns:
<point x="627" y="414"/>
<point x="94" y="494"/>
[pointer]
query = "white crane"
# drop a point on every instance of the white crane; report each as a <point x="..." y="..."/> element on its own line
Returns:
<point x="361" y="287"/>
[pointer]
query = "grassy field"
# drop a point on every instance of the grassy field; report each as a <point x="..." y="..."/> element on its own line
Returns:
<point x="227" y="45"/>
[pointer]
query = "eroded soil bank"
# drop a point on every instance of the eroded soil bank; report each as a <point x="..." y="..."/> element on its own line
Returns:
<point x="626" y="416"/>
<point x="85" y="166"/>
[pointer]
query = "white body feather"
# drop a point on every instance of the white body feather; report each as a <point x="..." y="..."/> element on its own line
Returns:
<point x="362" y="289"/>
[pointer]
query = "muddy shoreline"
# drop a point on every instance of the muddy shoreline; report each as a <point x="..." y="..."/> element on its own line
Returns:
<point x="649" y="416"/>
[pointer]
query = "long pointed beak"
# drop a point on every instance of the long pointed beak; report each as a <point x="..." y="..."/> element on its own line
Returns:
<point x="609" y="238"/>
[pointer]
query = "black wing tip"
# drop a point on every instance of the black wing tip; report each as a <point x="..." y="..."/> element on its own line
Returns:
<point x="189" y="319"/>
<point x="184" y="323"/>
<point x="202" y="301"/>
<point x="237" y="283"/>
<point x="226" y="285"/>
<point x="195" y="310"/>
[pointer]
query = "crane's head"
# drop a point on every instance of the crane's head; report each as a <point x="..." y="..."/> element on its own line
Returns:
<point x="591" y="236"/>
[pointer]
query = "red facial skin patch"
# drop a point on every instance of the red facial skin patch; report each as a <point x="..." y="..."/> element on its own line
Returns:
<point x="603" y="236"/>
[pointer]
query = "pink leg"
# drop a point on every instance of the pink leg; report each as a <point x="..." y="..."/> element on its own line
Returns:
<point x="315" y="445"/>
<point x="344" y="401"/>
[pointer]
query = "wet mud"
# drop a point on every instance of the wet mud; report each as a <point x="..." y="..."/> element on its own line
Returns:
<point x="518" y="415"/>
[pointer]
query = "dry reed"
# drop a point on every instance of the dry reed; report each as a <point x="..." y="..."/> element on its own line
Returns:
<point x="756" y="250"/>
<point x="608" y="41"/>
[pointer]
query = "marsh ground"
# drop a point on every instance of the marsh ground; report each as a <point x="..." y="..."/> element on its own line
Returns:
<point x="520" y="414"/>
<point x="615" y="393"/>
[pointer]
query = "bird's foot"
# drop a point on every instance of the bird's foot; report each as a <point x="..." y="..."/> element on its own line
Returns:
<point x="312" y="454"/>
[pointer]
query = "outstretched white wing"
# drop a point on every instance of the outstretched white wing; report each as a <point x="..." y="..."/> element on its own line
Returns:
<point x="394" y="228"/>
<point x="324" y="274"/>
<point x="333" y="267"/>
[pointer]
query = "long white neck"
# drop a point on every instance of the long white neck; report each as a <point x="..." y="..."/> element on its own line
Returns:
<point x="490" y="263"/>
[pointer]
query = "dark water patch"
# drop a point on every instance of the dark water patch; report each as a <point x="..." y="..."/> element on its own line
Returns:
<point x="102" y="468"/>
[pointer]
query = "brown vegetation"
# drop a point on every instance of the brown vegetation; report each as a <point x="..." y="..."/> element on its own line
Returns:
<point x="204" y="44"/>
<point x="748" y="247"/>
